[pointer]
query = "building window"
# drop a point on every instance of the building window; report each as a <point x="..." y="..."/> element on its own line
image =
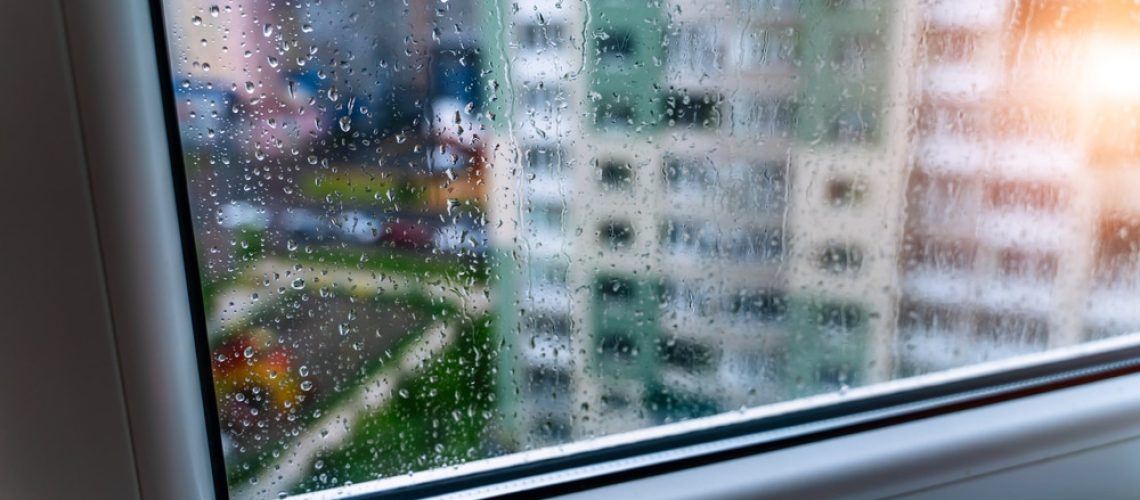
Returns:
<point x="615" y="44"/>
<point x="617" y="234"/>
<point x="616" y="289"/>
<point x="614" y="114"/>
<point x="688" y="174"/>
<point x="760" y="306"/>
<point x="764" y="117"/>
<point x="537" y="36"/>
<point x="686" y="354"/>
<point x="546" y="219"/>
<point x="846" y="193"/>
<point x="695" y="50"/>
<point x="692" y="111"/>
<point x="841" y="259"/>
<point x="1014" y="264"/>
<point x="544" y="160"/>
<point x="615" y="174"/>
<point x="769" y="48"/>
<point x="839" y="318"/>
<point x="1015" y="195"/>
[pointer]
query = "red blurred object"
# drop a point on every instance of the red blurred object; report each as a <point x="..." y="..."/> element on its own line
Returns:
<point x="408" y="235"/>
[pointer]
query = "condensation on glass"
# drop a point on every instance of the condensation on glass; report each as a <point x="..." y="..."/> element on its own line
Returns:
<point x="436" y="231"/>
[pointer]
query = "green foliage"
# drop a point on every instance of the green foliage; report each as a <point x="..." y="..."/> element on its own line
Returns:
<point x="435" y="419"/>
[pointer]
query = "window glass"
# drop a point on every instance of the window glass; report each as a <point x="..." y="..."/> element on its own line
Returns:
<point x="434" y="232"/>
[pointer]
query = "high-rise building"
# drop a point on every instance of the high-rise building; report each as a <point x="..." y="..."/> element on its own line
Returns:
<point x="658" y="259"/>
<point x="707" y="206"/>
<point x="1019" y="231"/>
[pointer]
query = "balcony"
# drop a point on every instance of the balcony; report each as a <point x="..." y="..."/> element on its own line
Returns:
<point x="936" y="349"/>
<point x="1036" y="230"/>
<point x="961" y="289"/>
<point x="960" y="81"/>
<point x="977" y="15"/>
<point x="1021" y="157"/>
<point x="1116" y="306"/>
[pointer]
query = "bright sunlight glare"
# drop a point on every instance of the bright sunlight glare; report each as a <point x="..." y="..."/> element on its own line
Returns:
<point x="1114" y="68"/>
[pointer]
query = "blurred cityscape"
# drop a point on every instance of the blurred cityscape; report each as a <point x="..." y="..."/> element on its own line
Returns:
<point x="437" y="231"/>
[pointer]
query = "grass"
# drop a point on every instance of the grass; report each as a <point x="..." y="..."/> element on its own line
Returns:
<point x="428" y="312"/>
<point x="438" y="418"/>
<point x="458" y="269"/>
<point x="362" y="188"/>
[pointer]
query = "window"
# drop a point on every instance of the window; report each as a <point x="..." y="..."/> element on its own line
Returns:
<point x="615" y="44"/>
<point x="845" y="192"/>
<point x="695" y="50"/>
<point x="841" y="259"/>
<point x="1011" y="195"/>
<point x="537" y="36"/>
<point x="769" y="48"/>
<point x="546" y="219"/>
<point x="614" y="114"/>
<point x="699" y="111"/>
<point x="617" y="234"/>
<point x="434" y="238"/>
<point x="687" y="174"/>
<point x="763" y="117"/>
<point x="615" y="174"/>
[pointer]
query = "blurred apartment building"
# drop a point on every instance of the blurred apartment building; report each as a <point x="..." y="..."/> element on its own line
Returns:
<point x="689" y="219"/>
<point x="711" y="206"/>
<point x="1021" y="225"/>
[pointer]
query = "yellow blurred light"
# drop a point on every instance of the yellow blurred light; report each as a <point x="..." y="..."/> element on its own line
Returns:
<point x="1113" y="69"/>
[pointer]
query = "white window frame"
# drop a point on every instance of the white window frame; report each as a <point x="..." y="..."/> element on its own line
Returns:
<point x="975" y="426"/>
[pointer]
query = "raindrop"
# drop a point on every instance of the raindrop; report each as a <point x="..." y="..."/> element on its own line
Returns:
<point x="214" y="10"/>
<point x="306" y="386"/>
<point x="267" y="29"/>
<point x="303" y="371"/>
<point x="345" y="123"/>
<point x="248" y="352"/>
<point x="196" y="21"/>
<point x="306" y="28"/>
<point x="298" y="283"/>
<point x="249" y="87"/>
